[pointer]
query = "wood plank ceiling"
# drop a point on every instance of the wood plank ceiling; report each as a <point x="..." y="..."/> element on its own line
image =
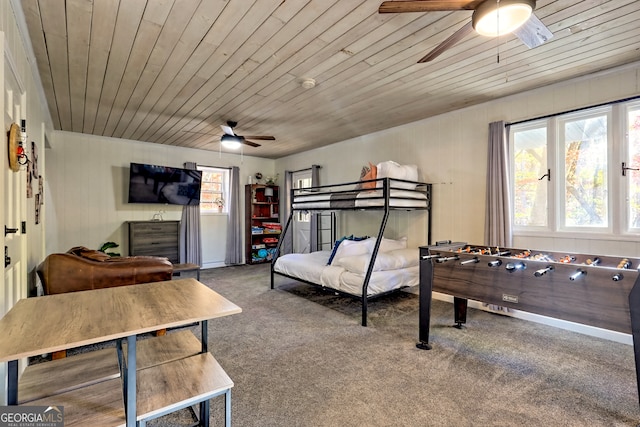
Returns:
<point x="173" y="71"/>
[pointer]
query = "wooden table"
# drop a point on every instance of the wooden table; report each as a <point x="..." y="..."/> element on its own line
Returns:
<point x="55" y="322"/>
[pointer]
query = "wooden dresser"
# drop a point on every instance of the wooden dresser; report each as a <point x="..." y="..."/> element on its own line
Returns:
<point x="155" y="238"/>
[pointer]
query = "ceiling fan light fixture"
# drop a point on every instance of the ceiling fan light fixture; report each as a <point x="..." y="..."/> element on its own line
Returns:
<point x="230" y="142"/>
<point x="494" y="18"/>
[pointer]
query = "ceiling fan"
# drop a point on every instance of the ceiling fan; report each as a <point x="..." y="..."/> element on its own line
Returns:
<point x="231" y="140"/>
<point x="490" y="18"/>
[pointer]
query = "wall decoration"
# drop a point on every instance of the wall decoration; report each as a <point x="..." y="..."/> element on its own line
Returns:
<point x="39" y="198"/>
<point x="14" y="132"/>
<point x="34" y="159"/>
<point x="38" y="209"/>
<point x="41" y="189"/>
<point x="29" y="181"/>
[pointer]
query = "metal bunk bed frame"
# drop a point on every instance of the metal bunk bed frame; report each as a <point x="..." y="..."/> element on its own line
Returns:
<point x="425" y="188"/>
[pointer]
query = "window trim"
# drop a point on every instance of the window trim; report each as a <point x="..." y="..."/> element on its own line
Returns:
<point x="618" y="187"/>
<point x="559" y="198"/>
<point x="225" y="190"/>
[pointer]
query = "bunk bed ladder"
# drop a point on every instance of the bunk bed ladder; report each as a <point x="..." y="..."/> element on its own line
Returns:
<point x="323" y="226"/>
<point x="279" y="247"/>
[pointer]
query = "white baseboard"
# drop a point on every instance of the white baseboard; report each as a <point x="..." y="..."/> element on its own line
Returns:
<point x="562" y="324"/>
<point x="213" y="264"/>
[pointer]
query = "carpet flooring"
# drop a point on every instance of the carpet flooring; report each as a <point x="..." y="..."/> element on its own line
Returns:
<point x="299" y="357"/>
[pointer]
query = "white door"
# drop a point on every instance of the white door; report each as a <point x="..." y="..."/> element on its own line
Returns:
<point x="301" y="220"/>
<point x="13" y="283"/>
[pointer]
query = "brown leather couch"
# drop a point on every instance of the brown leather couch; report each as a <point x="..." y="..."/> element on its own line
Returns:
<point x="83" y="269"/>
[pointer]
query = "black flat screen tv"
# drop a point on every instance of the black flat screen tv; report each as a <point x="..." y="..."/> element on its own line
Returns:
<point x="163" y="184"/>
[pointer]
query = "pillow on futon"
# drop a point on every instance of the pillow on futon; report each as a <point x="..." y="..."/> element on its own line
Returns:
<point x="351" y="246"/>
<point x="391" y="169"/>
<point x="388" y="245"/>
<point x="392" y="260"/>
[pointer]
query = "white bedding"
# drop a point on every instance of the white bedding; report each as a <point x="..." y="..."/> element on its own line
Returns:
<point x="368" y="198"/>
<point x="392" y="270"/>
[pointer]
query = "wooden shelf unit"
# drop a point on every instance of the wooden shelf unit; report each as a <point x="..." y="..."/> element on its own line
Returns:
<point x="172" y="373"/>
<point x="262" y="222"/>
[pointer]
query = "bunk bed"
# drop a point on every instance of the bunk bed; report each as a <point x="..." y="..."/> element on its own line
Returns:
<point x="361" y="268"/>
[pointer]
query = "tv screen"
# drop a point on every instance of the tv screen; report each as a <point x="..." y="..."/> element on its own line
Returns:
<point x="163" y="184"/>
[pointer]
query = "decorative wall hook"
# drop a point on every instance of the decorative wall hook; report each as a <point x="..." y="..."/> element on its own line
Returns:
<point x="17" y="155"/>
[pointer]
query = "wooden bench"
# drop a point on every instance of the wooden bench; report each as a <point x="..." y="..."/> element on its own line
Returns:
<point x="172" y="374"/>
<point x="168" y="387"/>
<point x="62" y="375"/>
<point x="100" y="404"/>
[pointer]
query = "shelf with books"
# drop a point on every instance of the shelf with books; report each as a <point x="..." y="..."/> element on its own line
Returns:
<point x="262" y="225"/>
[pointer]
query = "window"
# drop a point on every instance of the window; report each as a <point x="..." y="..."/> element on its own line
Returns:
<point x="214" y="192"/>
<point x="584" y="143"/>
<point x="530" y="169"/>
<point x="303" y="216"/>
<point x="566" y="172"/>
<point x="632" y="161"/>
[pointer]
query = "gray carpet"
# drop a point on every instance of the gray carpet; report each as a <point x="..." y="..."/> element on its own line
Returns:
<point x="299" y="357"/>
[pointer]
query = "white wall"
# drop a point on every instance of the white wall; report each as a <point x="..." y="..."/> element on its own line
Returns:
<point x="87" y="189"/>
<point x="16" y="56"/>
<point x="451" y="152"/>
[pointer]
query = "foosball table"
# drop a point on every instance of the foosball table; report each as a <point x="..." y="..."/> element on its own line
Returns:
<point x="600" y="291"/>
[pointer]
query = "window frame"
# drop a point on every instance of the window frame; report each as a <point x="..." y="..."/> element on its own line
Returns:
<point x="225" y="190"/>
<point x="560" y="199"/>
<point x="534" y="124"/>
<point x="618" y="187"/>
<point x="627" y="228"/>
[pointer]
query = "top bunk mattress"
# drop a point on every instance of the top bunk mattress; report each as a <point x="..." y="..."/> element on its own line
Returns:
<point x="401" y="194"/>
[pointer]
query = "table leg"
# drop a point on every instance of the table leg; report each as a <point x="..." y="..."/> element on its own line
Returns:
<point x="204" y="406"/>
<point x="204" y="413"/>
<point x="426" y="288"/>
<point x="227" y="408"/>
<point x="130" y="382"/>
<point x="204" y="339"/>
<point x="12" y="382"/>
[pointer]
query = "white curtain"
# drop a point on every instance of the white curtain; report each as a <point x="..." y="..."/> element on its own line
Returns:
<point x="190" y="239"/>
<point x="233" y="253"/>
<point x="497" y="230"/>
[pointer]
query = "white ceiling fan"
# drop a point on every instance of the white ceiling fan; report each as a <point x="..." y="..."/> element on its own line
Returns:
<point x="490" y="18"/>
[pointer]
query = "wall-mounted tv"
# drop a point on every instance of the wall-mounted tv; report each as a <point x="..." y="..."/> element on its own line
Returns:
<point x="163" y="184"/>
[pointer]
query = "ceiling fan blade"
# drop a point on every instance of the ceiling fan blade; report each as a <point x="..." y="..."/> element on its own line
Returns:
<point x="262" y="138"/>
<point x="427" y="5"/>
<point x="250" y="143"/>
<point x="533" y="32"/>
<point x="227" y="129"/>
<point x="449" y="42"/>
